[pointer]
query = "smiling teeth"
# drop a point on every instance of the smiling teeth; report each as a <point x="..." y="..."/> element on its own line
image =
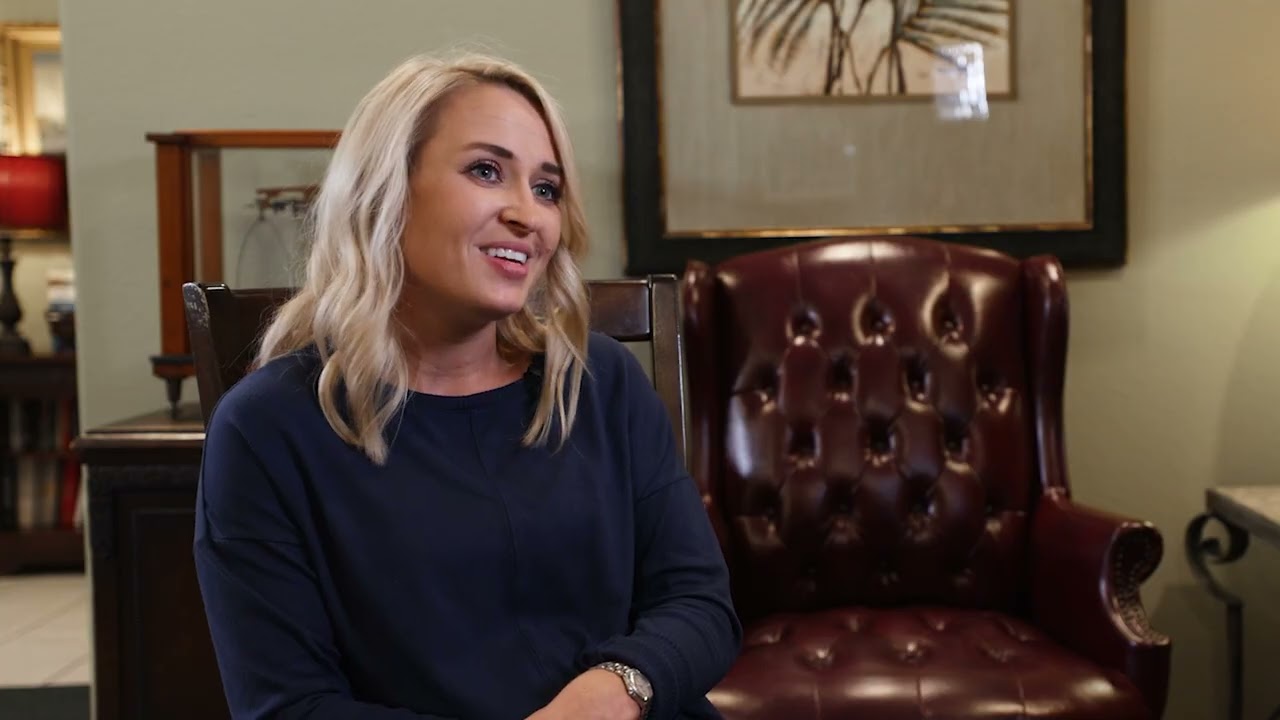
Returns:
<point x="508" y="254"/>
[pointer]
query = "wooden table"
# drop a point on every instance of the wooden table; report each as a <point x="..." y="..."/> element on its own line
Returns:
<point x="1245" y="512"/>
<point x="153" y="657"/>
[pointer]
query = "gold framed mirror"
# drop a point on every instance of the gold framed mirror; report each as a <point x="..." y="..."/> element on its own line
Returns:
<point x="32" y="104"/>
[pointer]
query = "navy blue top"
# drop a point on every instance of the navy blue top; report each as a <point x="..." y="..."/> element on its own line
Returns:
<point x="470" y="577"/>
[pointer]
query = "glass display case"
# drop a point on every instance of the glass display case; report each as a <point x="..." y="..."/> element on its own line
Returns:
<point x="230" y="208"/>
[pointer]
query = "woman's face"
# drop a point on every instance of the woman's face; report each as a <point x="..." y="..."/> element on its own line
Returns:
<point x="484" y="207"/>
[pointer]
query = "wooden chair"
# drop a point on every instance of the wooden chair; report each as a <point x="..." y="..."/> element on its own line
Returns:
<point x="225" y="326"/>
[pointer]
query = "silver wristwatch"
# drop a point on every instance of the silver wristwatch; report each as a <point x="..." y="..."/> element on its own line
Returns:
<point x="638" y="686"/>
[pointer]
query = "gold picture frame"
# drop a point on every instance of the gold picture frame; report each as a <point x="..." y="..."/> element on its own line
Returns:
<point x="33" y="115"/>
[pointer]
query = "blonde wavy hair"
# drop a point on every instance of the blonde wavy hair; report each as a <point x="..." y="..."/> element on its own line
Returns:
<point x="346" y="305"/>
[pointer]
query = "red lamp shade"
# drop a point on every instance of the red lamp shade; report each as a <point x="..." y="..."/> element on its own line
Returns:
<point x="33" y="192"/>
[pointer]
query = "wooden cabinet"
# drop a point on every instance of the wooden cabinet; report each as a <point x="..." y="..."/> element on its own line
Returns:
<point x="39" y="472"/>
<point x="153" y="657"/>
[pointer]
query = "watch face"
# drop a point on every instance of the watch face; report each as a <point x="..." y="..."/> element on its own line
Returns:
<point x="640" y="684"/>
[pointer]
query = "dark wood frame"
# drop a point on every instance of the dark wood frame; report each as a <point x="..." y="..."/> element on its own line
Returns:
<point x="651" y="250"/>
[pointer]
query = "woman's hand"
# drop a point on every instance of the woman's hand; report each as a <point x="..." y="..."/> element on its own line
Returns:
<point x="593" y="695"/>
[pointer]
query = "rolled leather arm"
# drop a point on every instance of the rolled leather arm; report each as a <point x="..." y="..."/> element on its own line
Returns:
<point x="1086" y="571"/>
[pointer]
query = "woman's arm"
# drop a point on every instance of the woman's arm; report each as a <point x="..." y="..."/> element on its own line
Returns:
<point x="685" y="633"/>
<point x="271" y="634"/>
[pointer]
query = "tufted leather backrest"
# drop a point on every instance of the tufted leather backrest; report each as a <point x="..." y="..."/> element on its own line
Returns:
<point x="863" y="422"/>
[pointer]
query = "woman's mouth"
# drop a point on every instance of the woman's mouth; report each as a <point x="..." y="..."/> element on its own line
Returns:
<point x="510" y="254"/>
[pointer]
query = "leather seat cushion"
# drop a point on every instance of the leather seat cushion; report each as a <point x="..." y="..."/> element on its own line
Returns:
<point x="914" y="663"/>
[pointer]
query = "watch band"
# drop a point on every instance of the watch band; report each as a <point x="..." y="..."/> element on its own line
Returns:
<point x="637" y="685"/>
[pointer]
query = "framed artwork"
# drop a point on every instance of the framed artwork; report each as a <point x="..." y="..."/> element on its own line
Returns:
<point x="749" y="124"/>
<point x="33" y="116"/>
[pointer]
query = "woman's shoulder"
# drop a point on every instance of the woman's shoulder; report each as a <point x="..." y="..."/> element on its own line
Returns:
<point x="615" y="374"/>
<point x="279" y="388"/>
<point x="609" y="358"/>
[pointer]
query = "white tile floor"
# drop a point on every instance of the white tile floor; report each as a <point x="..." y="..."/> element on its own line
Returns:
<point x="44" y="630"/>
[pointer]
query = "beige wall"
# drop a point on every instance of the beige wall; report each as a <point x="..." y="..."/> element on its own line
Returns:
<point x="34" y="258"/>
<point x="1174" y="371"/>
<point x="29" y="11"/>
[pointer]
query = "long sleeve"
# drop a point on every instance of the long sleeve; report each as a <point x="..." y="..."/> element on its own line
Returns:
<point x="271" y="634"/>
<point x="686" y="634"/>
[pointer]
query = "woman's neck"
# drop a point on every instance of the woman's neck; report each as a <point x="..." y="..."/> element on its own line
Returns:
<point x="459" y="364"/>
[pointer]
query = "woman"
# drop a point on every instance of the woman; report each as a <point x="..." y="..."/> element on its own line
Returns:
<point x="439" y="495"/>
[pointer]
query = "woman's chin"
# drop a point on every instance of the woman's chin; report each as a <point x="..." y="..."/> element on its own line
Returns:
<point x="500" y="308"/>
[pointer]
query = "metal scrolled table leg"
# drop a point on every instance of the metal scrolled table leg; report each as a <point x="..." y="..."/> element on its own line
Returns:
<point x="1201" y="551"/>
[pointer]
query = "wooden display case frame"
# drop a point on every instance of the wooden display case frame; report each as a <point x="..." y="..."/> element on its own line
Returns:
<point x="189" y="205"/>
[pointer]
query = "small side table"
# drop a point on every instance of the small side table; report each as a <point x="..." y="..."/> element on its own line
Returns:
<point x="1245" y="512"/>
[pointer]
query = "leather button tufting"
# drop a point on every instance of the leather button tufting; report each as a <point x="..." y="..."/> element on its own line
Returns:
<point x="842" y="374"/>
<point x="767" y="380"/>
<point x="949" y="322"/>
<point x="772" y="636"/>
<point x="916" y="375"/>
<point x="772" y="510"/>
<point x="880" y="439"/>
<point x="819" y="658"/>
<point x="803" y="442"/>
<point x="804" y="322"/>
<point x="955" y="433"/>
<point x="988" y="386"/>
<point x="921" y="506"/>
<point x="1000" y="656"/>
<point x="913" y="653"/>
<point x="876" y="320"/>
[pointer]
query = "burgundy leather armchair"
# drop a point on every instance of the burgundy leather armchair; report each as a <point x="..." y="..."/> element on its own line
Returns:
<point x="876" y="424"/>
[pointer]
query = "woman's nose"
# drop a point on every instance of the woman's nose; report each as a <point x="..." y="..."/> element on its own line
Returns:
<point x="519" y="215"/>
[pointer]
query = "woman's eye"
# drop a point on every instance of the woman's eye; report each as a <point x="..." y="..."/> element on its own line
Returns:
<point x="486" y="171"/>
<point x="547" y="191"/>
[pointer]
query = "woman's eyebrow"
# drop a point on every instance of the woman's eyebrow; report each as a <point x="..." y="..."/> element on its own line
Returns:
<point x="506" y="154"/>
